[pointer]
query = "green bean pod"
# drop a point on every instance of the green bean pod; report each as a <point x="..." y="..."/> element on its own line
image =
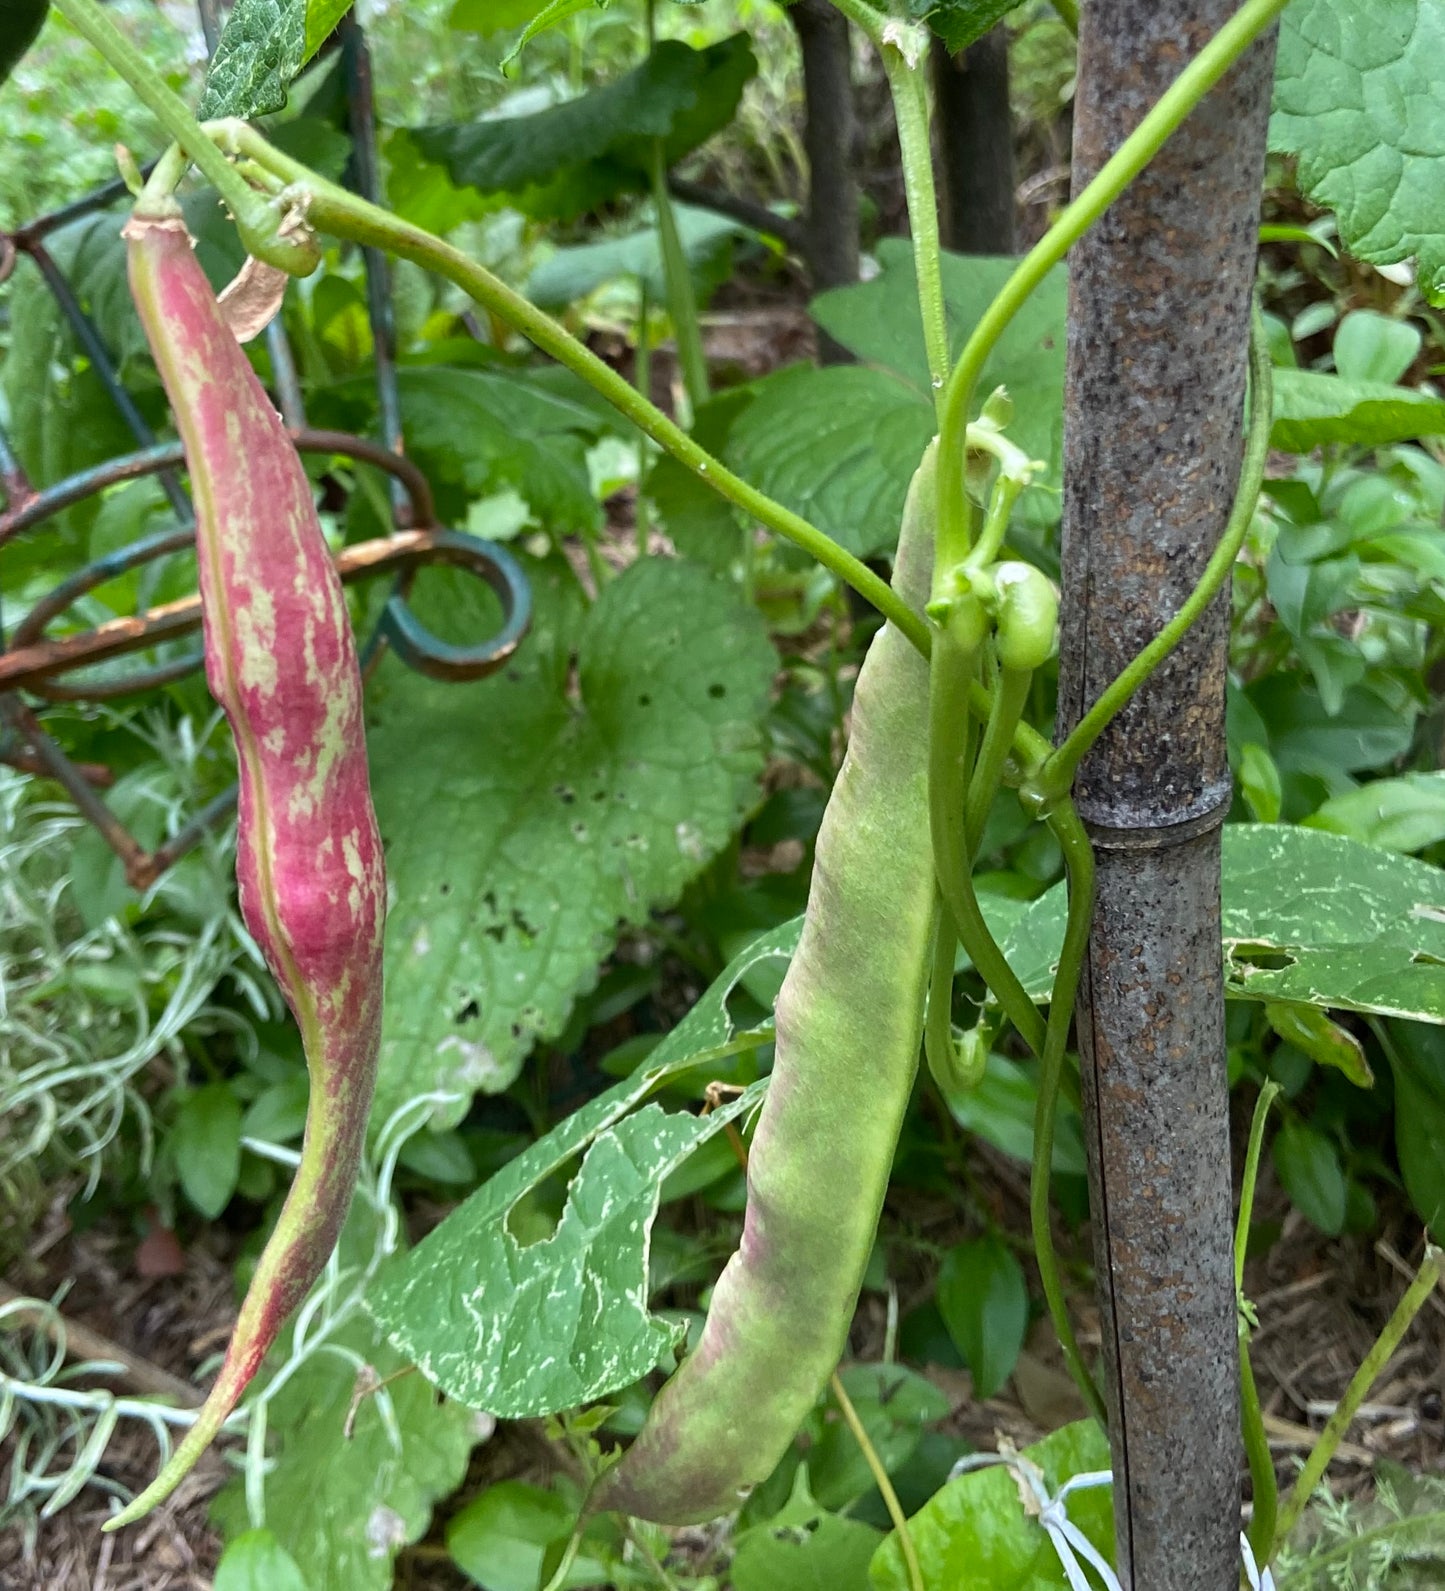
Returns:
<point x="849" y="1022"/>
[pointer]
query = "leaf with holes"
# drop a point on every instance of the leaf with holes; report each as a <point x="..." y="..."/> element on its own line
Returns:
<point x="261" y="51"/>
<point x="572" y="157"/>
<point x="1358" y="100"/>
<point x="530" y="816"/>
<point x="342" y="1506"/>
<point x="1309" y="917"/>
<point x="522" y="1331"/>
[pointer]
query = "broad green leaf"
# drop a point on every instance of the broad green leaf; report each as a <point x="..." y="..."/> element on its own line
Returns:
<point x="343" y="1506"/>
<point x="1371" y="727"/>
<point x="525" y="1330"/>
<point x="256" y="1561"/>
<point x="960" y="23"/>
<point x="205" y="1143"/>
<point x="573" y="157"/>
<point x="261" y="51"/>
<point x="1308" y="1166"/>
<point x="984" y="1301"/>
<point x="976" y="1532"/>
<point x="879" y="321"/>
<point x="532" y="815"/>
<point x="1417" y="1058"/>
<point x="490" y="431"/>
<point x="1313" y="409"/>
<point x="500" y="1538"/>
<point x="1001" y="1111"/>
<point x="573" y="273"/>
<point x="838" y="445"/>
<point x="1309" y="917"/>
<point x="1404" y="814"/>
<point x="1374" y="347"/>
<point x="1357" y="99"/>
<point x="804" y="1548"/>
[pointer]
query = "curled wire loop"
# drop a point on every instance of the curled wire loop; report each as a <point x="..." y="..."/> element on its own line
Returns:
<point x="35" y="663"/>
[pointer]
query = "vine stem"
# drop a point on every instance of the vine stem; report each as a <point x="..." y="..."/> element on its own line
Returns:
<point x="333" y="210"/>
<point x="1192" y="84"/>
<point x="254" y="218"/>
<point x="1425" y="1283"/>
<point x="909" y="88"/>
<point x="952" y="678"/>
<point x="1058" y="772"/>
<point x="1256" y="1440"/>
<point x="885" y="1486"/>
<point x="1068" y="11"/>
<point x="1079" y="862"/>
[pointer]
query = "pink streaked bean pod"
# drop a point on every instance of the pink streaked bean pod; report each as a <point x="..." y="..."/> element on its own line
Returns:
<point x="281" y="661"/>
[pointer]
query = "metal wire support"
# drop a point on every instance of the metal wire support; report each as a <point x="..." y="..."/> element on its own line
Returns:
<point x="62" y="668"/>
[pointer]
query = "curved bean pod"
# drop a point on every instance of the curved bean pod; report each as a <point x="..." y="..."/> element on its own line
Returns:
<point x="281" y="661"/>
<point x="849" y="1022"/>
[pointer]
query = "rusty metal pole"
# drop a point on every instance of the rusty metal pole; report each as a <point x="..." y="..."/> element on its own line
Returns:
<point x="1158" y="327"/>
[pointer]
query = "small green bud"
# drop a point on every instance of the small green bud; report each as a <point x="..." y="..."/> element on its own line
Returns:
<point x="1027" y="615"/>
<point x="999" y="410"/>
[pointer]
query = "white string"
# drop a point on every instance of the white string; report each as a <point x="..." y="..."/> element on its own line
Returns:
<point x="1069" y="1542"/>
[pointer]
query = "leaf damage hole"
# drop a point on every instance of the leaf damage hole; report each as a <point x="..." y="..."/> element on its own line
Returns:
<point x="1247" y="959"/>
<point x="468" y="1013"/>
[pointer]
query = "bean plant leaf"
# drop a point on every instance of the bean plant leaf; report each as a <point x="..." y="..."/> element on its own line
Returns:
<point x="1309" y="917"/>
<point x="1403" y="814"/>
<point x="840" y="444"/>
<point x="343" y="1506"/>
<point x="573" y="273"/>
<point x="960" y="23"/>
<point x="490" y="431"/>
<point x="522" y="1331"/>
<point x="1308" y="1166"/>
<point x="256" y="1561"/>
<point x="529" y="816"/>
<point x="261" y="51"/>
<point x="976" y="1531"/>
<point x="1417" y="1058"/>
<point x="1313" y="409"/>
<point x="1358" y="101"/>
<point x="568" y="159"/>
<point x="984" y="1301"/>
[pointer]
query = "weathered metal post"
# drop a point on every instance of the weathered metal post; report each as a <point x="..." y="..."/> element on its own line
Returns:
<point x="1158" y="326"/>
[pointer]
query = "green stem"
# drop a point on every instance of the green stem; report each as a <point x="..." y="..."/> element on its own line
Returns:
<point x="1079" y="860"/>
<point x="951" y="686"/>
<point x="1267" y="1096"/>
<point x="681" y="299"/>
<point x="1068" y="11"/>
<point x="885" y="1486"/>
<point x="344" y="215"/>
<point x="1010" y="697"/>
<point x="909" y="88"/>
<point x="1256" y="1441"/>
<point x="255" y="218"/>
<point x="1192" y="84"/>
<point x="642" y="380"/>
<point x="1058" y="772"/>
<point x="938" y="1028"/>
<point x="1262" y="1478"/>
<point x="569" y="1557"/>
<point x="1318" y="1462"/>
